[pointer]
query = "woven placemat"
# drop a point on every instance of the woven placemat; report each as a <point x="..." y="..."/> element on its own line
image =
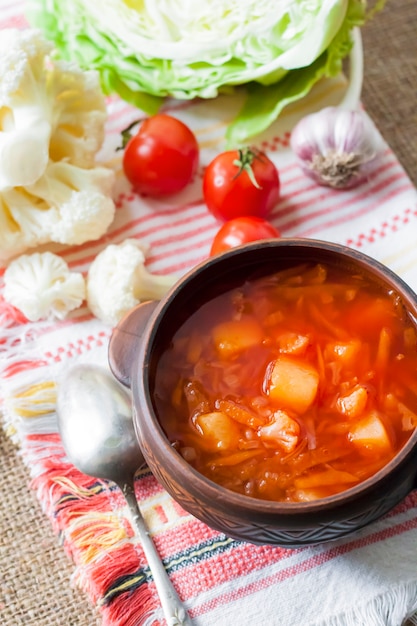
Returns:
<point x="35" y="573"/>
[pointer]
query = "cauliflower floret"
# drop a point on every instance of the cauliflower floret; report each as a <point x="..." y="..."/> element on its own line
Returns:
<point x="79" y="200"/>
<point x="52" y="117"/>
<point x="41" y="286"/>
<point x="25" y="125"/>
<point x="118" y="280"/>
<point x="48" y="109"/>
<point x="78" y="129"/>
<point x="67" y="205"/>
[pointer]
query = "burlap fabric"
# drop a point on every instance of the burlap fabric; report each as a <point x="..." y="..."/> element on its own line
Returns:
<point x="390" y="83"/>
<point x="35" y="573"/>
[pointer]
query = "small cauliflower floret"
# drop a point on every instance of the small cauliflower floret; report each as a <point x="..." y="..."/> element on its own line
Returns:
<point x="292" y="383"/>
<point x="353" y="403"/>
<point x="370" y="434"/>
<point x="234" y="336"/>
<point x="41" y="286"/>
<point x="118" y="280"/>
<point x="282" y="431"/>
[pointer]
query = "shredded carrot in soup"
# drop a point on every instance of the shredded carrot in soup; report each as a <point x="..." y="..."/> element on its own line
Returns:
<point x="292" y="387"/>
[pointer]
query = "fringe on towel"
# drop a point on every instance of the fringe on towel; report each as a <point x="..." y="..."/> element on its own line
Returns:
<point x="90" y="516"/>
<point x="387" y="609"/>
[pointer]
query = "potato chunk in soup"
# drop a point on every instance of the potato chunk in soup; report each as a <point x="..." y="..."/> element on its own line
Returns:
<point x="293" y="386"/>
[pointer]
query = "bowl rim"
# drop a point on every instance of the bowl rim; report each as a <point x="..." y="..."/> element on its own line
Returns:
<point x="213" y="492"/>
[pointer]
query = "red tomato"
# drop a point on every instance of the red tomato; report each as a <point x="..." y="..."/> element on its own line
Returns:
<point x="242" y="230"/>
<point x="162" y="157"/>
<point x="241" y="182"/>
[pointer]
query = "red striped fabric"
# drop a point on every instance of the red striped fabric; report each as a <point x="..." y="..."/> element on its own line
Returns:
<point x="221" y="580"/>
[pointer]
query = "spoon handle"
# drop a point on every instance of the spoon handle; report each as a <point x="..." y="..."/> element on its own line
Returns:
<point x="174" y="611"/>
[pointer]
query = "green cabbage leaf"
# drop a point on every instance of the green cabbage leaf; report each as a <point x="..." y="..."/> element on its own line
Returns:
<point x="147" y="50"/>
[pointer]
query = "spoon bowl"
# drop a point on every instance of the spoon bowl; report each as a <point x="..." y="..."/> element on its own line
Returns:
<point x="97" y="432"/>
<point x="96" y="427"/>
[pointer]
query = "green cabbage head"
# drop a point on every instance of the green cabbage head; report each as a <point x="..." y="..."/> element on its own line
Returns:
<point x="147" y="50"/>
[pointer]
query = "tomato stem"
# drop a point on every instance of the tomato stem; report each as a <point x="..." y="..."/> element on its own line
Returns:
<point x="244" y="163"/>
<point x="127" y="134"/>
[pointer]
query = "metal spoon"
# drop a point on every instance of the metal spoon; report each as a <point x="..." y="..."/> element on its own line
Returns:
<point x="96" y="428"/>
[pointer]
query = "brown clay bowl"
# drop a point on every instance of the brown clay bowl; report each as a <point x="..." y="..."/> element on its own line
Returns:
<point x="135" y="347"/>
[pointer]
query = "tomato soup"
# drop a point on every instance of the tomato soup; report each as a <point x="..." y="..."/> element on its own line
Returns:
<point x="292" y="387"/>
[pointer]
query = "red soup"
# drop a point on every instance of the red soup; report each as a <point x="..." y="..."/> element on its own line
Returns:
<point x="292" y="387"/>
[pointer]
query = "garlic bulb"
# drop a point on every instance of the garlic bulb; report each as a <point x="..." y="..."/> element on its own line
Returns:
<point x="337" y="147"/>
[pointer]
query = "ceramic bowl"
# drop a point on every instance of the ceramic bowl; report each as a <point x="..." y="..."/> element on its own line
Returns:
<point x="136" y="346"/>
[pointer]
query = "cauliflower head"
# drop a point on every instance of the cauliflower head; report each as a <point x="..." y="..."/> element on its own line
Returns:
<point x="117" y="281"/>
<point x="52" y="119"/>
<point x="68" y="205"/>
<point x="41" y="286"/>
<point x="48" y="109"/>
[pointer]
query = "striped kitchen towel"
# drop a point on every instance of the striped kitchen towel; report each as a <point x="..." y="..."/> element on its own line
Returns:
<point x="368" y="579"/>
